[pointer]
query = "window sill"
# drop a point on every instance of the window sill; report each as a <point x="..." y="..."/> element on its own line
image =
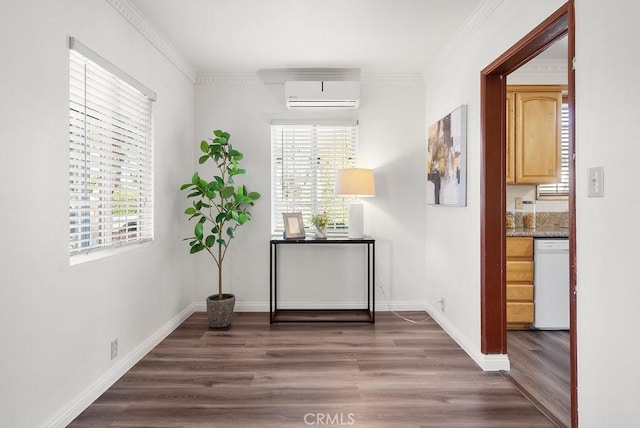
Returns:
<point x="90" y="256"/>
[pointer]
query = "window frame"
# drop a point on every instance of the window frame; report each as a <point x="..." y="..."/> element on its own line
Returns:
<point x="543" y="191"/>
<point x="110" y="156"/>
<point x="338" y="207"/>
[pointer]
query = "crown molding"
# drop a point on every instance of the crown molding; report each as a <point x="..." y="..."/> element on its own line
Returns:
<point x="153" y="35"/>
<point x="278" y="77"/>
<point x="544" y="66"/>
<point x="228" y="79"/>
<point x="471" y="25"/>
<point x="393" y="79"/>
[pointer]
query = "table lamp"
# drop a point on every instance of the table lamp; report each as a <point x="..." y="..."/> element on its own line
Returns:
<point x="357" y="182"/>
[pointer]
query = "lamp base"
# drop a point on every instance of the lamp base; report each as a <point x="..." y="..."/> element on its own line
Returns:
<point x="356" y="220"/>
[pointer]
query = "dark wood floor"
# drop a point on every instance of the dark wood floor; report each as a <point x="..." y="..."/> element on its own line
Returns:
<point x="540" y="366"/>
<point x="391" y="374"/>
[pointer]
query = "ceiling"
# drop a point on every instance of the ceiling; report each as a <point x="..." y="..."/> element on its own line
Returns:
<point x="376" y="36"/>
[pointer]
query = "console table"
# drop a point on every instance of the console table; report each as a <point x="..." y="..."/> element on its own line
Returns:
<point x="322" y="315"/>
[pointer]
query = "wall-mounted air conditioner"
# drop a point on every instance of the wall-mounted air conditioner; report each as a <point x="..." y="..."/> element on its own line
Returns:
<point x="322" y="94"/>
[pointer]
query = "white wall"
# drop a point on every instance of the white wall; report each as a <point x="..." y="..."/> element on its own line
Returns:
<point x="391" y="141"/>
<point x="453" y="234"/>
<point x="57" y="320"/>
<point x="608" y="234"/>
<point x="607" y="228"/>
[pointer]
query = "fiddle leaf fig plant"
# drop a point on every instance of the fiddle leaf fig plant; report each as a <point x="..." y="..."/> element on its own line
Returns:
<point x="218" y="206"/>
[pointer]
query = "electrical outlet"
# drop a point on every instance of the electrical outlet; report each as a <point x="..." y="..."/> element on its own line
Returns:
<point x="114" y="349"/>
<point x="518" y="203"/>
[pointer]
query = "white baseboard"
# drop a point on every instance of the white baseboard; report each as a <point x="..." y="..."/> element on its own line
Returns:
<point x="487" y="362"/>
<point x="264" y="306"/>
<point x="104" y="382"/>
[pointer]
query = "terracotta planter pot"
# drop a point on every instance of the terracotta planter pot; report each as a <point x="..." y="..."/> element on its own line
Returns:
<point x="220" y="311"/>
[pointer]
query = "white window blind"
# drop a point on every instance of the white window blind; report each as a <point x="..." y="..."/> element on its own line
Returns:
<point x="110" y="156"/>
<point x="305" y="160"/>
<point x="560" y="188"/>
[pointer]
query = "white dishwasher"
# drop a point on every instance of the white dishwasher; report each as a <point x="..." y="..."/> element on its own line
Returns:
<point x="551" y="284"/>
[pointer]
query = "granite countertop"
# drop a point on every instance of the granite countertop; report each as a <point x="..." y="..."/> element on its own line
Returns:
<point x="540" y="232"/>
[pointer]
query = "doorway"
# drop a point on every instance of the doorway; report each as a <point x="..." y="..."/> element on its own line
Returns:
<point x="493" y="184"/>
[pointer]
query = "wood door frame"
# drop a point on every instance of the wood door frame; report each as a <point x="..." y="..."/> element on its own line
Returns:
<point x="493" y="90"/>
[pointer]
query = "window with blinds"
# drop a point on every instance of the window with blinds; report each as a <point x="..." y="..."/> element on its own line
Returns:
<point x="305" y="160"/>
<point x="560" y="188"/>
<point x="110" y="154"/>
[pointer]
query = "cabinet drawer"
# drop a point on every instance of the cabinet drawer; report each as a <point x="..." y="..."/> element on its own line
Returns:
<point x="519" y="292"/>
<point x="519" y="272"/>
<point x="519" y="312"/>
<point x="520" y="248"/>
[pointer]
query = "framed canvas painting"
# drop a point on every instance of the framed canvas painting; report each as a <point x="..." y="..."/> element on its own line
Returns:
<point x="447" y="160"/>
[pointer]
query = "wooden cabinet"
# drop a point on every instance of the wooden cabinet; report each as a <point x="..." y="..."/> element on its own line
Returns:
<point x="533" y="133"/>
<point x="520" y="306"/>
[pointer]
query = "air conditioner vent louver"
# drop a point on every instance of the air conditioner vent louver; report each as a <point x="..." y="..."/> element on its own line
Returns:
<point x="322" y="94"/>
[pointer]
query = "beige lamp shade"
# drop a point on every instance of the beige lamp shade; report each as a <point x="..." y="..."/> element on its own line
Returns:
<point x="355" y="181"/>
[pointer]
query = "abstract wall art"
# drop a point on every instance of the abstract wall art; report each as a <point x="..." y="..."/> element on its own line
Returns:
<point x="447" y="160"/>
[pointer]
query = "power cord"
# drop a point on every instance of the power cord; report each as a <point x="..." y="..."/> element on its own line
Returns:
<point x="397" y="314"/>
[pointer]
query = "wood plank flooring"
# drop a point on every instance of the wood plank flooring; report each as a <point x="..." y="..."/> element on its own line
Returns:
<point x="540" y="366"/>
<point x="391" y="374"/>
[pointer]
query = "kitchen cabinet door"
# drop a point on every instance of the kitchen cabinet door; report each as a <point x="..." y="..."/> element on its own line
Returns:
<point x="537" y="137"/>
<point x="511" y="138"/>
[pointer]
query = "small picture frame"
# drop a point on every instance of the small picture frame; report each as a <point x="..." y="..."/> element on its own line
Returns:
<point x="293" y="225"/>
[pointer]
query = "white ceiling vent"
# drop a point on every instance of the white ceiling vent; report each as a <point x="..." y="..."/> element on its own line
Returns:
<point x="322" y="94"/>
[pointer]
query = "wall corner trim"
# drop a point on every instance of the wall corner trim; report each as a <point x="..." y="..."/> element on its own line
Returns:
<point x="154" y="36"/>
<point x="74" y="408"/>
<point x="471" y="25"/>
<point x="487" y="362"/>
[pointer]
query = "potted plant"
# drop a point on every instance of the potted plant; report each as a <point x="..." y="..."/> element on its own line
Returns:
<point x="220" y="208"/>
<point x="320" y="221"/>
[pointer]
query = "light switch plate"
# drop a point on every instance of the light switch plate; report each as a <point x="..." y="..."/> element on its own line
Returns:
<point x="595" y="185"/>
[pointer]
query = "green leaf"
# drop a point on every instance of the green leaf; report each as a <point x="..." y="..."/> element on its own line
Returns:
<point x="219" y="180"/>
<point x="198" y="230"/>
<point x="186" y="186"/>
<point x="236" y="155"/>
<point x="239" y="171"/>
<point x="202" y="220"/>
<point x="198" y="205"/>
<point x="196" y="248"/>
<point x="227" y="192"/>
<point x="210" y="241"/>
<point x="202" y="184"/>
<point x="203" y="159"/>
<point x="243" y="218"/>
<point x="195" y="179"/>
<point x="254" y="196"/>
<point x="230" y="232"/>
<point x="215" y="229"/>
<point x="218" y="133"/>
<point x="222" y="242"/>
<point x="204" y="146"/>
<point x="220" y="217"/>
<point x="192" y="194"/>
<point x="190" y="211"/>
